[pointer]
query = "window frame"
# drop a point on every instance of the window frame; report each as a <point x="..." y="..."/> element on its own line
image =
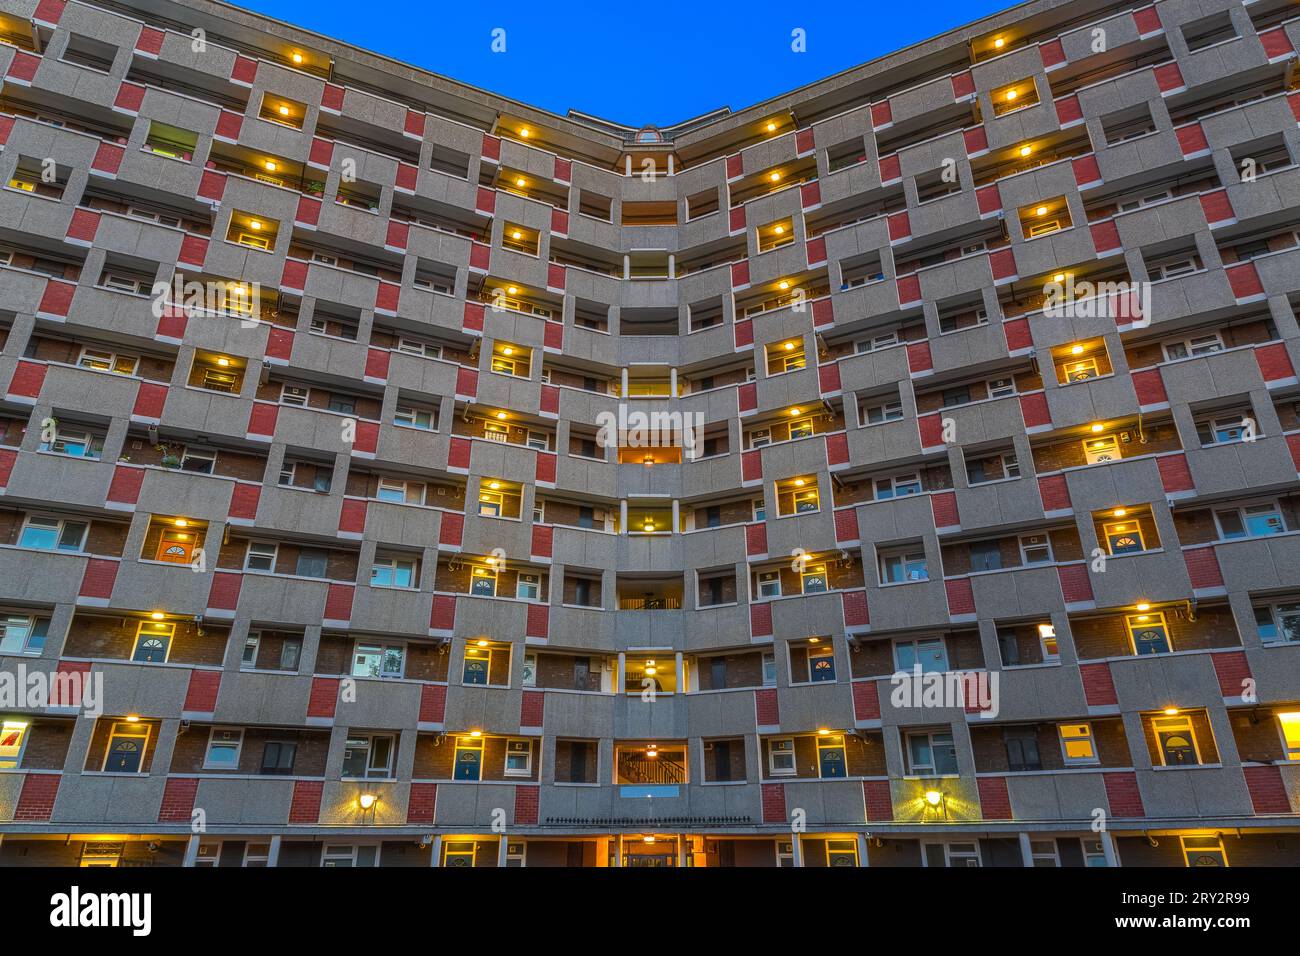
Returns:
<point x="239" y="747"/>
<point x="260" y="547"/>
<point x="772" y="753"/>
<point x="1083" y="734"/>
<point x="60" y="529"/>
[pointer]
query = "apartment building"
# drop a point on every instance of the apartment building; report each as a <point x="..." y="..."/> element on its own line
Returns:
<point x="976" y="362"/>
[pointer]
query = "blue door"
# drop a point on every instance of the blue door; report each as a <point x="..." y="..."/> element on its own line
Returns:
<point x="831" y="758"/>
<point x="467" y="764"/>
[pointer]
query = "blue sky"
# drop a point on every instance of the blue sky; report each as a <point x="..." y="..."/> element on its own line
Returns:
<point x="628" y="61"/>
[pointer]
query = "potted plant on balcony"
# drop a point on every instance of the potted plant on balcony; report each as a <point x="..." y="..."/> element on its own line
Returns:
<point x="315" y="187"/>
<point x="171" y="455"/>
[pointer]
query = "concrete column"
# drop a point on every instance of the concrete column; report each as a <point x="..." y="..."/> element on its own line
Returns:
<point x="435" y="851"/>
<point x="622" y="516"/>
<point x="1026" y="850"/>
<point x="191" y="851"/>
<point x="503" y="848"/>
<point x="1108" y="848"/>
<point x="619" y="677"/>
<point x="602" y="852"/>
<point x="618" y="849"/>
<point x="681" y="840"/>
<point x="677" y="516"/>
<point x="681" y="674"/>
<point x="671" y="165"/>
<point x="623" y="372"/>
<point x="672" y="372"/>
<point x="863" y="859"/>
<point x="273" y="852"/>
<point x="796" y="847"/>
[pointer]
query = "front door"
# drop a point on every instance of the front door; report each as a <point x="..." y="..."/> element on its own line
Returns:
<point x="125" y="753"/>
<point x="830" y="756"/>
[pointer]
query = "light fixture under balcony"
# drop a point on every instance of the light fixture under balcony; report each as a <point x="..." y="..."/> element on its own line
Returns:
<point x="501" y="416"/>
<point x="1076" y="350"/>
<point x="1041" y="211"/>
<point x="270" y="166"/>
<point x="1098" y="428"/>
<point x="933" y="797"/>
<point x="775" y="177"/>
<point x="367" y="800"/>
<point x="525" y="132"/>
<point x="476" y="733"/>
<point x="1026" y="150"/>
<point x="521" y="182"/>
<point x="771" y="127"/>
<point x="999" y="43"/>
<point x="1171" y="711"/>
<point x="1143" y="606"/>
<point x="157" y="615"/>
<point x="1120" y="512"/>
<point x="1011" y="95"/>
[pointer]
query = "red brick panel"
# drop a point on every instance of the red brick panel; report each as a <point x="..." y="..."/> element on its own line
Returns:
<point x="1175" y="475"/>
<point x="735" y="166"/>
<point x="466" y="383"/>
<point x="944" y="508"/>
<point x="83" y="226"/>
<point x="1169" y="78"/>
<point x="837" y="449"/>
<point x="377" y="363"/>
<point x="756" y="539"/>
<point x="1217" y="207"/>
<point x="767" y="708"/>
<point x="854" y="605"/>
<point x="963" y="85"/>
<point x="452" y="529"/>
<point x="919" y="358"/>
<point x="1147" y="21"/>
<point x="538" y="622"/>
<point x="458" y="453"/>
<point x="760" y="620"/>
<point x="443" y="615"/>
<point x="1203" y="568"/>
<point x="1002" y="263"/>
<point x="751" y="465"/>
<point x="1052" y="53"/>
<point x="201" y="695"/>
<point x="866" y="700"/>
<point x="1105" y="236"/>
<point x="324" y="697"/>
<point x="823" y="312"/>
<point x="526" y="804"/>
<point x="1277" y="45"/>
<point x="28" y="379"/>
<point x="989" y="200"/>
<point x="352" y="516"/>
<point x="420" y="806"/>
<point x="1086" y="171"/>
<point x="931" y="428"/>
<point x="1098" y="686"/>
<point x="7" y="458"/>
<point x="815" y="251"/>
<point x="543" y="538"/>
<point x="308" y="213"/>
<point x="22" y="68"/>
<point x="224" y="594"/>
<point x="194" y="251"/>
<point x="810" y="195"/>
<point x="262" y="419"/>
<point x="178" y="799"/>
<point x="846" y="525"/>
<point x="550" y="400"/>
<point x="1068" y="111"/>
<point x="1267" y="791"/>
<point x="828" y="378"/>
<point x="1123" y="795"/>
<point x="1292" y="443"/>
<point x="976" y="140"/>
<point x="553" y="332"/>
<point x="743" y="333"/>
<point x="995" y="802"/>
<point x="961" y="596"/>
<point x="1075" y="586"/>
<point x="1150" y="387"/>
<point x="36" y="800"/>
<point x="881" y="114"/>
<point x="338" y="602"/>
<point x="740" y="274"/>
<point x="1274" y="363"/>
<point x="1017" y="335"/>
<point x="305" y="805"/>
<point x="97" y="583"/>
<point x="890" y="169"/>
<point x="414" y="125"/>
<point x="879" y="801"/>
<point x="532" y="708"/>
<point x="773" y="798"/>
<point x="433" y="703"/>
<point x="1191" y="139"/>
<point x="244" y="71"/>
<point x="1232" y="670"/>
<point x="1055" y="493"/>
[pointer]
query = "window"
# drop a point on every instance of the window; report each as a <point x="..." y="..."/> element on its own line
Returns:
<point x="882" y="341"/>
<point x="760" y="510"/>
<point x="529" y="587"/>
<point x="519" y="758"/>
<point x="392" y="572"/>
<point x="1276" y="623"/>
<point x="994" y="467"/>
<point x="1289" y="724"/>
<point x="13" y="737"/>
<point x="985" y="556"/>
<point x="22" y="635"/>
<point x="538" y="440"/>
<point x="76" y="443"/>
<point x="1176" y="741"/>
<point x="1047" y="642"/>
<point x="248" y="657"/>
<point x="342" y="404"/>
<point x="948" y="855"/>
<point x="902" y="566"/>
<point x="278" y="756"/>
<point x="103" y="361"/>
<point x="1093" y="853"/>
<point x="290" y="654"/>
<point x="1077" y="745"/>
<point x="312" y="563"/>
<point x="801" y="428"/>
<point x="769" y="669"/>
<point x="769" y="584"/>
<point x="127" y="743"/>
<point x="530" y="670"/>
<point x="52" y="534"/>
<point x="1204" y="851"/>
<point x="257" y="854"/>
<point x="199" y="461"/>
<point x="931" y="753"/>
<point x="261" y="556"/>
<point x="224" y="746"/>
<point x="1035" y="548"/>
<point x="813" y="579"/>
<point x="1222" y="430"/>
<point x="153" y="642"/>
<point x="1250" y="521"/>
<point x="1001" y="387"/>
<point x="897" y="486"/>
<point x="1080" y="370"/>
<point x="1099" y="450"/>
<point x="412" y="417"/>
<point x="490" y="504"/>
<point x="882" y="412"/>
<point x="458" y="855"/>
<point x="1022" y="749"/>
<point x="294" y="395"/>
<point x="379" y="660"/>
<point x="780" y="757"/>
<point x="1148" y="633"/>
<point x="339" y="856"/>
<point x="483" y="582"/>
<point x="926" y="653"/>
<point x="806" y="501"/>
<point x="1192" y="347"/>
<point x="956" y="396"/>
<point x="1042" y="853"/>
<point x="368" y="757"/>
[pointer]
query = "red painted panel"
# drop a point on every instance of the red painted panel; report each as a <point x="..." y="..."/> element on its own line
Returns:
<point x="1033" y="408"/>
<point x="747" y="397"/>
<point x="1217" y="207"/>
<point x="563" y="170"/>
<point x="735" y="166"/>
<point x="1150" y="387"/>
<point x="837" y="449"/>
<point x="308" y="212"/>
<point x="352" y="516"/>
<point x="919" y="358"/>
<point x="294" y="275"/>
<point x="828" y="378"/>
<point x="740" y="273"/>
<point x="149" y="400"/>
<point x="1068" y="110"/>
<point x="244" y="498"/>
<point x="377" y="361"/>
<point x="244" y="71"/>
<point x="823" y="312"/>
<point x="881" y="114"/>
<point x="815" y="250"/>
<point x="331" y="98"/>
<point x="899" y="226"/>
<point x="1147" y="20"/>
<point x="491" y="148"/>
<point x="229" y="125"/>
<point x="546" y="466"/>
<point x="1122" y="794"/>
<point x="550" y="400"/>
<point x="963" y="85"/>
<point x="22" y="69"/>
<point x="555" y="276"/>
<point x="890" y="169"/>
<point x="743" y="333"/>
<point x="931" y="429"/>
<point x="989" y="199"/>
<point x="1233" y="671"/>
<point x="1086" y="171"/>
<point x="387" y="296"/>
<point x="1052" y="52"/>
<point x="1002" y="263"/>
<point x="56" y="298"/>
<point x="1105" y="236"/>
<point x="1244" y="280"/>
<point x="224" y="593"/>
<point x="1191" y="139"/>
<point x="212" y="186"/>
<point x="559" y="222"/>
<point x="125" y="486"/>
<point x="321" y="153"/>
<point x="7" y="458"/>
<point x="414" y="125"/>
<point x="976" y="139"/>
<point x="1075" y="585"/>
<point x="28" y="379"/>
<point x="338" y="602"/>
<point x="262" y="419"/>
<point x="486" y="201"/>
<point x="803" y="141"/>
<point x="467" y="382"/>
<point x="810" y="195"/>
<point x="1276" y="43"/>
<point x="543" y="540"/>
<point x="909" y="289"/>
<point x="194" y="250"/>
<point x="480" y="256"/>
<point x="83" y="226"/>
<point x="1267" y="791"/>
<point x="49" y="11"/>
<point x="1017" y="334"/>
<point x="1274" y="362"/>
<point x="458" y="453"/>
<point x="129" y="97"/>
<point x="279" y="343"/>
<point x="1169" y="77"/>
